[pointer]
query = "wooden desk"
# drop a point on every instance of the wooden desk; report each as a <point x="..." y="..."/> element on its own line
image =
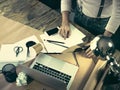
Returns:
<point x="37" y="15"/>
<point x="12" y="31"/>
<point x="30" y="12"/>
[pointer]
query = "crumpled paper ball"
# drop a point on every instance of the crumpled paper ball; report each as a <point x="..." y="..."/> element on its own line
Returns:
<point x="21" y="79"/>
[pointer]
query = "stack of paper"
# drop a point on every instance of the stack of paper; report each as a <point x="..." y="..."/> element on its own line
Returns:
<point x="8" y="55"/>
<point x="74" y="39"/>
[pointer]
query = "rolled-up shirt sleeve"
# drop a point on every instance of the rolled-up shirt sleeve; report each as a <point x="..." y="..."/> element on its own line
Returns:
<point x="65" y="5"/>
<point x="114" y="21"/>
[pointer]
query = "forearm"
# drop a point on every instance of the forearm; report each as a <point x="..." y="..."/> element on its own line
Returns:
<point x="114" y="20"/>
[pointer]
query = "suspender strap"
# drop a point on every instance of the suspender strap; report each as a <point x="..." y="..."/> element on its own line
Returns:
<point x="100" y="8"/>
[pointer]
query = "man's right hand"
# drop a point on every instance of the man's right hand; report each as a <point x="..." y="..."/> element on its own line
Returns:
<point x="64" y="30"/>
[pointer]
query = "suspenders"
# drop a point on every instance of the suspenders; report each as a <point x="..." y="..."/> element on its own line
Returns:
<point x="100" y="8"/>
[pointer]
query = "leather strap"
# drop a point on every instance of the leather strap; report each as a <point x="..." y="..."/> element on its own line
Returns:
<point x="100" y="8"/>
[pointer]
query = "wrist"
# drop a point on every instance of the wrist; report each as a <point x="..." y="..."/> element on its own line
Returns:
<point x="108" y="34"/>
<point x="65" y="17"/>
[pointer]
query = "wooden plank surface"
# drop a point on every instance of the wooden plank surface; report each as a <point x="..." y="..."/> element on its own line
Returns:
<point x="34" y="14"/>
<point x="30" y="12"/>
<point x="12" y="35"/>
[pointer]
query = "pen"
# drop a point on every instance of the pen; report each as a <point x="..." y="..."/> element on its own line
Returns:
<point x="59" y="44"/>
<point x="53" y="53"/>
<point x="55" y="41"/>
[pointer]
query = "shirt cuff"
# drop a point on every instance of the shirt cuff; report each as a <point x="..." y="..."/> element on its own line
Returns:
<point x="112" y="26"/>
<point x="65" y="5"/>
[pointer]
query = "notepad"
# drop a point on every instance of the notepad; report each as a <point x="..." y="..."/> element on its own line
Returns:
<point x="74" y="39"/>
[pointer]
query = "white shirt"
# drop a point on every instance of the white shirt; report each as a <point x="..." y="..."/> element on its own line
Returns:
<point x="91" y="7"/>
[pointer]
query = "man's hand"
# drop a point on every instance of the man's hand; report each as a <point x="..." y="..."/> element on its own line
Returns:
<point x="64" y="30"/>
<point x="93" y="44"/>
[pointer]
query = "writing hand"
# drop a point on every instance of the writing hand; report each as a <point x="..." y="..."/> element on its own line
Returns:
<point x="64" y="31"/>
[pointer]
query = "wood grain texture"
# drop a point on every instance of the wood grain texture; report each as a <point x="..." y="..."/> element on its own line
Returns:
<point x="37" y="15"/>
<point x="30" y="12"/>
<point x="17" y="32"/>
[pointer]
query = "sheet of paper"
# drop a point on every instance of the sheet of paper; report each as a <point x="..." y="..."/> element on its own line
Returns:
<point x="8" y="55"/>
<point x="51" y="48"/>
<point x="23" y="44"/>
<point x="31" y="38"/>
<point x="75" y="38"/>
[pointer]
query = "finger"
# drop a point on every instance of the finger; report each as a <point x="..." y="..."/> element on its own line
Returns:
<point x="61" y="32"/>
<point x="65" y="34"/>
<point x="89" y="54"/>
<point x="88" y="50"/>
<point x="68" y="34"/>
